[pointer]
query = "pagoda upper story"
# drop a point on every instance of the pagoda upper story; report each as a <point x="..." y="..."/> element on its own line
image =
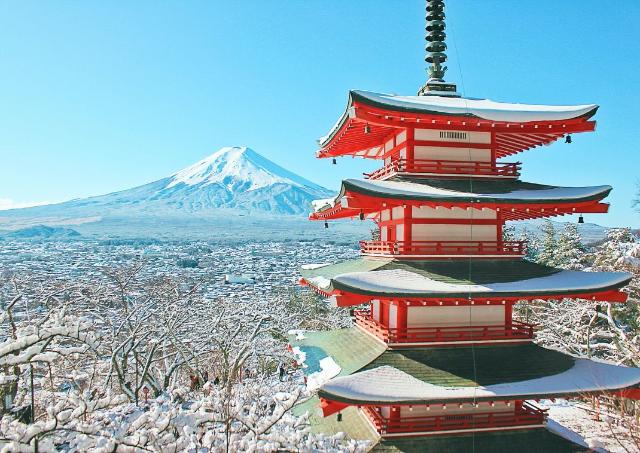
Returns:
<point x="445" y="136"/>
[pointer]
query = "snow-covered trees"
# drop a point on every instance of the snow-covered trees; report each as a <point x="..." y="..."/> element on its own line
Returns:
<point x="570" y="252"/>
<point x="131" y="363"/>
<point x="561" y="249"/>
<point x="586" y="328"/>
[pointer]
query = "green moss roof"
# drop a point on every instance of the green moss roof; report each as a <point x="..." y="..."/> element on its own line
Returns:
<point x="478" y="366"/>
<point x="351" y="348"/>
<point x="525" y="441"/>
<point x="353" y="424"/>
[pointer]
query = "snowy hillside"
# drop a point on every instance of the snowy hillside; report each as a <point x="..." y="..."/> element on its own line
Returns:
<point x="232" y="178"/>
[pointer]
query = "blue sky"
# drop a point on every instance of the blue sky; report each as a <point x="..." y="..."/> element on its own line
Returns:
<point x="101" y="96"/>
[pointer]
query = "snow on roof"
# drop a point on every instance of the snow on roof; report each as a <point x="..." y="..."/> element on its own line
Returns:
<point x="406" y="283"/>
<point x="506" y="191"/>
<point x="459" y="106"/>
<point x="387" y="384"/>
<point x="481" y="108"/>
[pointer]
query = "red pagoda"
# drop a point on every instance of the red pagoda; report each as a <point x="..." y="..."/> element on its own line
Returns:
<point x="436" y="360"/>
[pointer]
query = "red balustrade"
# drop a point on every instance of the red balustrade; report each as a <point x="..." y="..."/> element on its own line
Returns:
<point x="517" y="330"/>
<point x="443" y="248"/>
<point x="526" y="415"/>
<point x="446" y="167"/>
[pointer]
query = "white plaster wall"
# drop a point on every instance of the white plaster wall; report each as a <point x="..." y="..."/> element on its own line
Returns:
<point x="384" y="233"/>
<point x="401" y="137"/>
<point x="376" y="309"/>
<point x="393" y="316"/>
<point x="400" y="233"/>
<point x="441" y="316"/>
<point x="446" y="232"/>
<point x="462" y="154"/>
<point x="425" y="212"/>
<point x="403" y="153"/>
<point x="385" y="214"/>
<point x="388" y="145"/>
<point x="397" y="213"/>
<point x="434" y="135"/>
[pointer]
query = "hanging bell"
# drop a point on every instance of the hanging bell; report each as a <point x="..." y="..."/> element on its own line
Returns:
<point x="334" y="161"/>
<point x="326" y="224"/>
<point x="567" y="139"/>
<point x="361" y="215"/>
<point x="580" y="219"/>
<point x="367" y="129"/>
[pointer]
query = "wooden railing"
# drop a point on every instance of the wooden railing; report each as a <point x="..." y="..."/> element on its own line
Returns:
<point x="446" y="167"/>
<point x="517" y="330"/>
<point x="525" y="415"/>
<point x="444" y="248"/>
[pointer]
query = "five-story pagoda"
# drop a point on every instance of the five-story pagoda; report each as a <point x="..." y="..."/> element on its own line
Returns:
<point x="436" y="359"/>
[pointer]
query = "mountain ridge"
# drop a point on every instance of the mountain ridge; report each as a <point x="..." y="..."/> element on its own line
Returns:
<point x="236" y="178"/>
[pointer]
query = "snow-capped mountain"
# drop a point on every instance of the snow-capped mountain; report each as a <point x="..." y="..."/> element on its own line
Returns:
<point x="232" y="178"/>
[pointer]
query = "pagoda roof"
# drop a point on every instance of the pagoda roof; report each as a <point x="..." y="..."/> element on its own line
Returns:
<point x="354" y="423"/>
<point x="350" y="348"/>
<point x="477" y="279"/>
<point x="523" y="441"/>
<point x="519" y="126"/>
<point x="470" y="374"/>
<point x="369" y="196"/>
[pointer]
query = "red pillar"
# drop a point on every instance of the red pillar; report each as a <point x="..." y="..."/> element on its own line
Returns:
<point x="508" y="314"/>
<point x="394" y="418"/>
<point x="401" y="322"/>
<point x="408" y="225"/>
<point x="410" y="145"/>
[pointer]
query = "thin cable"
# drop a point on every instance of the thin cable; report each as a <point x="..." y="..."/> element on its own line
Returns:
<point x="471" y="219"/>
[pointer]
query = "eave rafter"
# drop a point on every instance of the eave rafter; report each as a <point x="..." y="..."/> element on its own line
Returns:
<point x="357" y="204"/>
<point x="368" y="127"/>
<point x="348" y="299"/>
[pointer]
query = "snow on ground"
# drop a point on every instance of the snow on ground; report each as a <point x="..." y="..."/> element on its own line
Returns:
<point x="328" y="369"/>
<point x="605" y="434"/>
<point x="298" y="333"/>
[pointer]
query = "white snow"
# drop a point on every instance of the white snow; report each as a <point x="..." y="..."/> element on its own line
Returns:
<point x="328" y="370"/>
<point x="565" y="432"/>
<point x="299" y="334"/>
<point x="411" y="189"/>
<point x="230" y="166"/>
<point x="388" y="384"/>
<point x="323" y="203"/>
<point x="314" y="266"/>
<point x="577" y="421"/>
<point x="406" y="282"/>
<point x="481" y="108"/>
<point x="300" y="355"/>
<point x="319" y="282"/>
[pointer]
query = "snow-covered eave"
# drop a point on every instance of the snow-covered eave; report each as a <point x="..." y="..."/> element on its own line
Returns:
<point x="387" y="385"/>
<point x="393" y="284"/>
<point x="462" y="107"/>
<point x="405" y="190"/>
<point x="484" y="109"/>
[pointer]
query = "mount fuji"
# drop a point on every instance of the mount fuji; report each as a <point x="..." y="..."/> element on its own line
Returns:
<point x="235" y="178"/>
<point x="232" y="185"/>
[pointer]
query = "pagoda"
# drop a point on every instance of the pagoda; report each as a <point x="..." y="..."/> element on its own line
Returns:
<point x="436" y="359"/>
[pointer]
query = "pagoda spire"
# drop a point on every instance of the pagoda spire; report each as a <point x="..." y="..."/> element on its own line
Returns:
<point x="436" y="48"/>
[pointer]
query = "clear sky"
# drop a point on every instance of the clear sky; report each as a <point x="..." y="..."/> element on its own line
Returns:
<point x="100" y="96"/>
